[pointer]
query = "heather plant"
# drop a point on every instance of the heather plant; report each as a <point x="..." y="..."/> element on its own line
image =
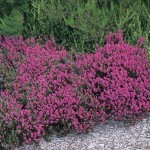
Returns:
<point x="134" y="67"/>
<point x="48" y="89"/>
<point x="55" y="84"/>
<point x="11" y="55"/>
<point x="118" y="74"/>
<point x="122" y="76"/>
<point x="43" y="92"/>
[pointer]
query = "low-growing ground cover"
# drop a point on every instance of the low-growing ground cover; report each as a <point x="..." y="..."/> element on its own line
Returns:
<point x="45" y="88"/>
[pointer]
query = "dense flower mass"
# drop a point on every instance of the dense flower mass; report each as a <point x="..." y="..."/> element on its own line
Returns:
<point x="44" y="86"/>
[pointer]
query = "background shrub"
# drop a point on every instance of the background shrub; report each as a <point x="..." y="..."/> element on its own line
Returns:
<point x="74" y="23"/>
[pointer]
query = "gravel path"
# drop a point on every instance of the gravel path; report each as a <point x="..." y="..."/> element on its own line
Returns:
<point x="107" y="136"/>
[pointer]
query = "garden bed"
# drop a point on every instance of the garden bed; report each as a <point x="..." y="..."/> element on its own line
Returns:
<point x="44" y="88"/>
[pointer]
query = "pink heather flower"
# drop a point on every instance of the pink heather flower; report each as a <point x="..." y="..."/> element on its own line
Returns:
<point x="48" y="88"/>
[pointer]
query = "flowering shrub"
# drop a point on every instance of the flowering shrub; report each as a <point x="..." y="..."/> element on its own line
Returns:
<point x="45" y="86"/>
<point x="119" y="74"/>
<point x="45" y="93"/>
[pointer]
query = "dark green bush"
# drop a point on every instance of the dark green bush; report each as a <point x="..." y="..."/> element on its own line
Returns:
<point x="74" y="23"/>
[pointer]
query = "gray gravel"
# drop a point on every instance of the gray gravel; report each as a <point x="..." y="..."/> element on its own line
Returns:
<point x="107" y="136"/>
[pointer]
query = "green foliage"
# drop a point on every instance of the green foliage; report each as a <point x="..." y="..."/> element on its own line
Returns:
<point x="43" y="18"/>
<point x="74" y="23"/>
<point x="9" y="137"/>
<point x="86" y="22"/>
<point x="7" y="6"/>
<point x="12" y="24"/>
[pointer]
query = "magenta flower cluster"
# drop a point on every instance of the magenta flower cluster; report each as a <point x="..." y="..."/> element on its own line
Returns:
<point x="45" y="86"/>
